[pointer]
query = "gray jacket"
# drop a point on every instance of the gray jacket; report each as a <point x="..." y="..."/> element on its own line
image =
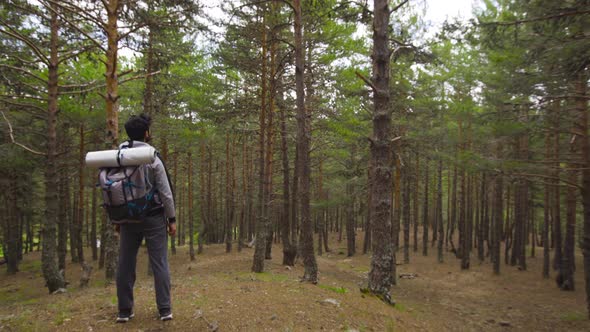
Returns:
<point x="156" y="174"/>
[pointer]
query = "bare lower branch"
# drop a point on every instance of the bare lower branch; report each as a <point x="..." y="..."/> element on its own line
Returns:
<point x="366" y="80"/>
<point x="90" y="89"/>
<point x="22" y="105"/>
<point x="394" y="9"/>
<point x="139" y="77"/>
<point x="542" y="176"/>
<point x="15" y="142"/>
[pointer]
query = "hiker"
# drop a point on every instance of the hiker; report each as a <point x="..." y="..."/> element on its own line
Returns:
<point x="159" y="217"/>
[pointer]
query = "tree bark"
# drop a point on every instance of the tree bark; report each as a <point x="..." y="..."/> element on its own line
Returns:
<point x="289" y="250"/>
<point x="557" y="237"/>
<point x="202" y="197"/>
<point x="425" y="209"/>
<point x="112" y="112"/>
<point x="350" y="231"/>
<point x="80" y="213"/>
<point x="62" y="215"/>
<point x="53" y="279"/>
<point x="191" y="218"/>
<point x="406" y="209"/>
<point x="416" y="202"/>
<point x="303" y="144"/>
<point x="229" y="194"/>
<point x="93" y="235"/>
<point x="383" y="259"/>
<point x="262" y="220"/>
<point x="498" y="217"/>
<point x="481" y="233"/>
<point x="581" y="126"/>
<point x="439" y="213"/>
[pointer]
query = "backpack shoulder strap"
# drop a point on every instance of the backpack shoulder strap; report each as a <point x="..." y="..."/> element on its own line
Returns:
<point x="159" y="156"/>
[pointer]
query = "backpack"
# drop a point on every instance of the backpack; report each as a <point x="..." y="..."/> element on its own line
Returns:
<point x="127" y="192"/>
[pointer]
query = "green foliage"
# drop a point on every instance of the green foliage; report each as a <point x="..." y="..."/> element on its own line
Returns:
<point x="339" y="290"/>
<point x="574" y="317"/>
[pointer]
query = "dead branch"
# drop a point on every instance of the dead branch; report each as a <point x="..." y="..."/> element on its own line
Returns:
<point x="366" y="80"/>
<point x="10" y="132"/>
<point x="398" y="6"/>
<point x="139" y="77"/>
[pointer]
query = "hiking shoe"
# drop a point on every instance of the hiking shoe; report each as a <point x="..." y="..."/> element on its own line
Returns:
<point x="165" y="315"/>
<point x="125" y="316"/>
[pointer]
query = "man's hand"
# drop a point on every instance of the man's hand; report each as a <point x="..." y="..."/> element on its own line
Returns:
<point x="172" y="229"/>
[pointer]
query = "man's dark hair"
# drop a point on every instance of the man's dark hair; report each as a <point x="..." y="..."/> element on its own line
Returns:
<point x="137" y="126"/>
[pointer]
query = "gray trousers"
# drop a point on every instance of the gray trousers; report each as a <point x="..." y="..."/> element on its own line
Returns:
<point x="153" y="229"/>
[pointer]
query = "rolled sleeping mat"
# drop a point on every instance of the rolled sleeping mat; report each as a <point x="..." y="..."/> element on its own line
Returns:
<point x="122" y="157"/>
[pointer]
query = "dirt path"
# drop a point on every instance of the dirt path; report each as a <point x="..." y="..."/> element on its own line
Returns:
<point x="218" y="291"/>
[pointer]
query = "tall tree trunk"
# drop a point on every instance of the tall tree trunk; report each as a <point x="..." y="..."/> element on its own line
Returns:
<point x="565" y="278"/>
<point x="367" y="243"/>
<point x="397" y="210"/>
<point x="481" y="232"/>
<point x="11" y="227"/>
<point x="463" y="227"/>
<point x="93" y="235"/>
<point x="202" y="197"/>
<point x="244" y="210"/>
<point x="453" y="221"/>
<point x="174" y="237"/>
<point x="319" y="214"/>
<point x="439" y="213"/>
<point x="581" y="129"/>
<point x="557" y="237"/>
<point x="112" y="112"/>
<point x="262" y="220"/>
<point x="53" y="279"/>
<point x="228" y="194"/>
<point x="103" y="228"/>
<point x="498" y="217"/>
<point x="62" y="216"/>
<point x="289" y="251"/>
<point x="425" y="209"/>
<point x="303" y="144"/>
<point x="383" y="259"/>
<point x="406" y="209"/>
<point x="547" y="211"/>
<point x="416" y="216"/>
<point x="209" y="231"/>
<point x="350" y="231"/>
<point x="72" y="211"/>
<point x="80" y="220"/>
<point x="191" y="219"/>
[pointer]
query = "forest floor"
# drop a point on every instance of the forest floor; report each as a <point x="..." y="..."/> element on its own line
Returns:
<point x="218" y="292"/>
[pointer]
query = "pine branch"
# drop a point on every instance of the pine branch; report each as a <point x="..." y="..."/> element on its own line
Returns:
<point x="22" y="105"/>
<point x="22" y="70"/>
<point x="537" y="19"/>
<point x="139" y="77"/>
<point x="92" y="40"/>
<point x="76" y="10"/>
<point x="15" y="34"/>
<point x="17" y="143"/>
